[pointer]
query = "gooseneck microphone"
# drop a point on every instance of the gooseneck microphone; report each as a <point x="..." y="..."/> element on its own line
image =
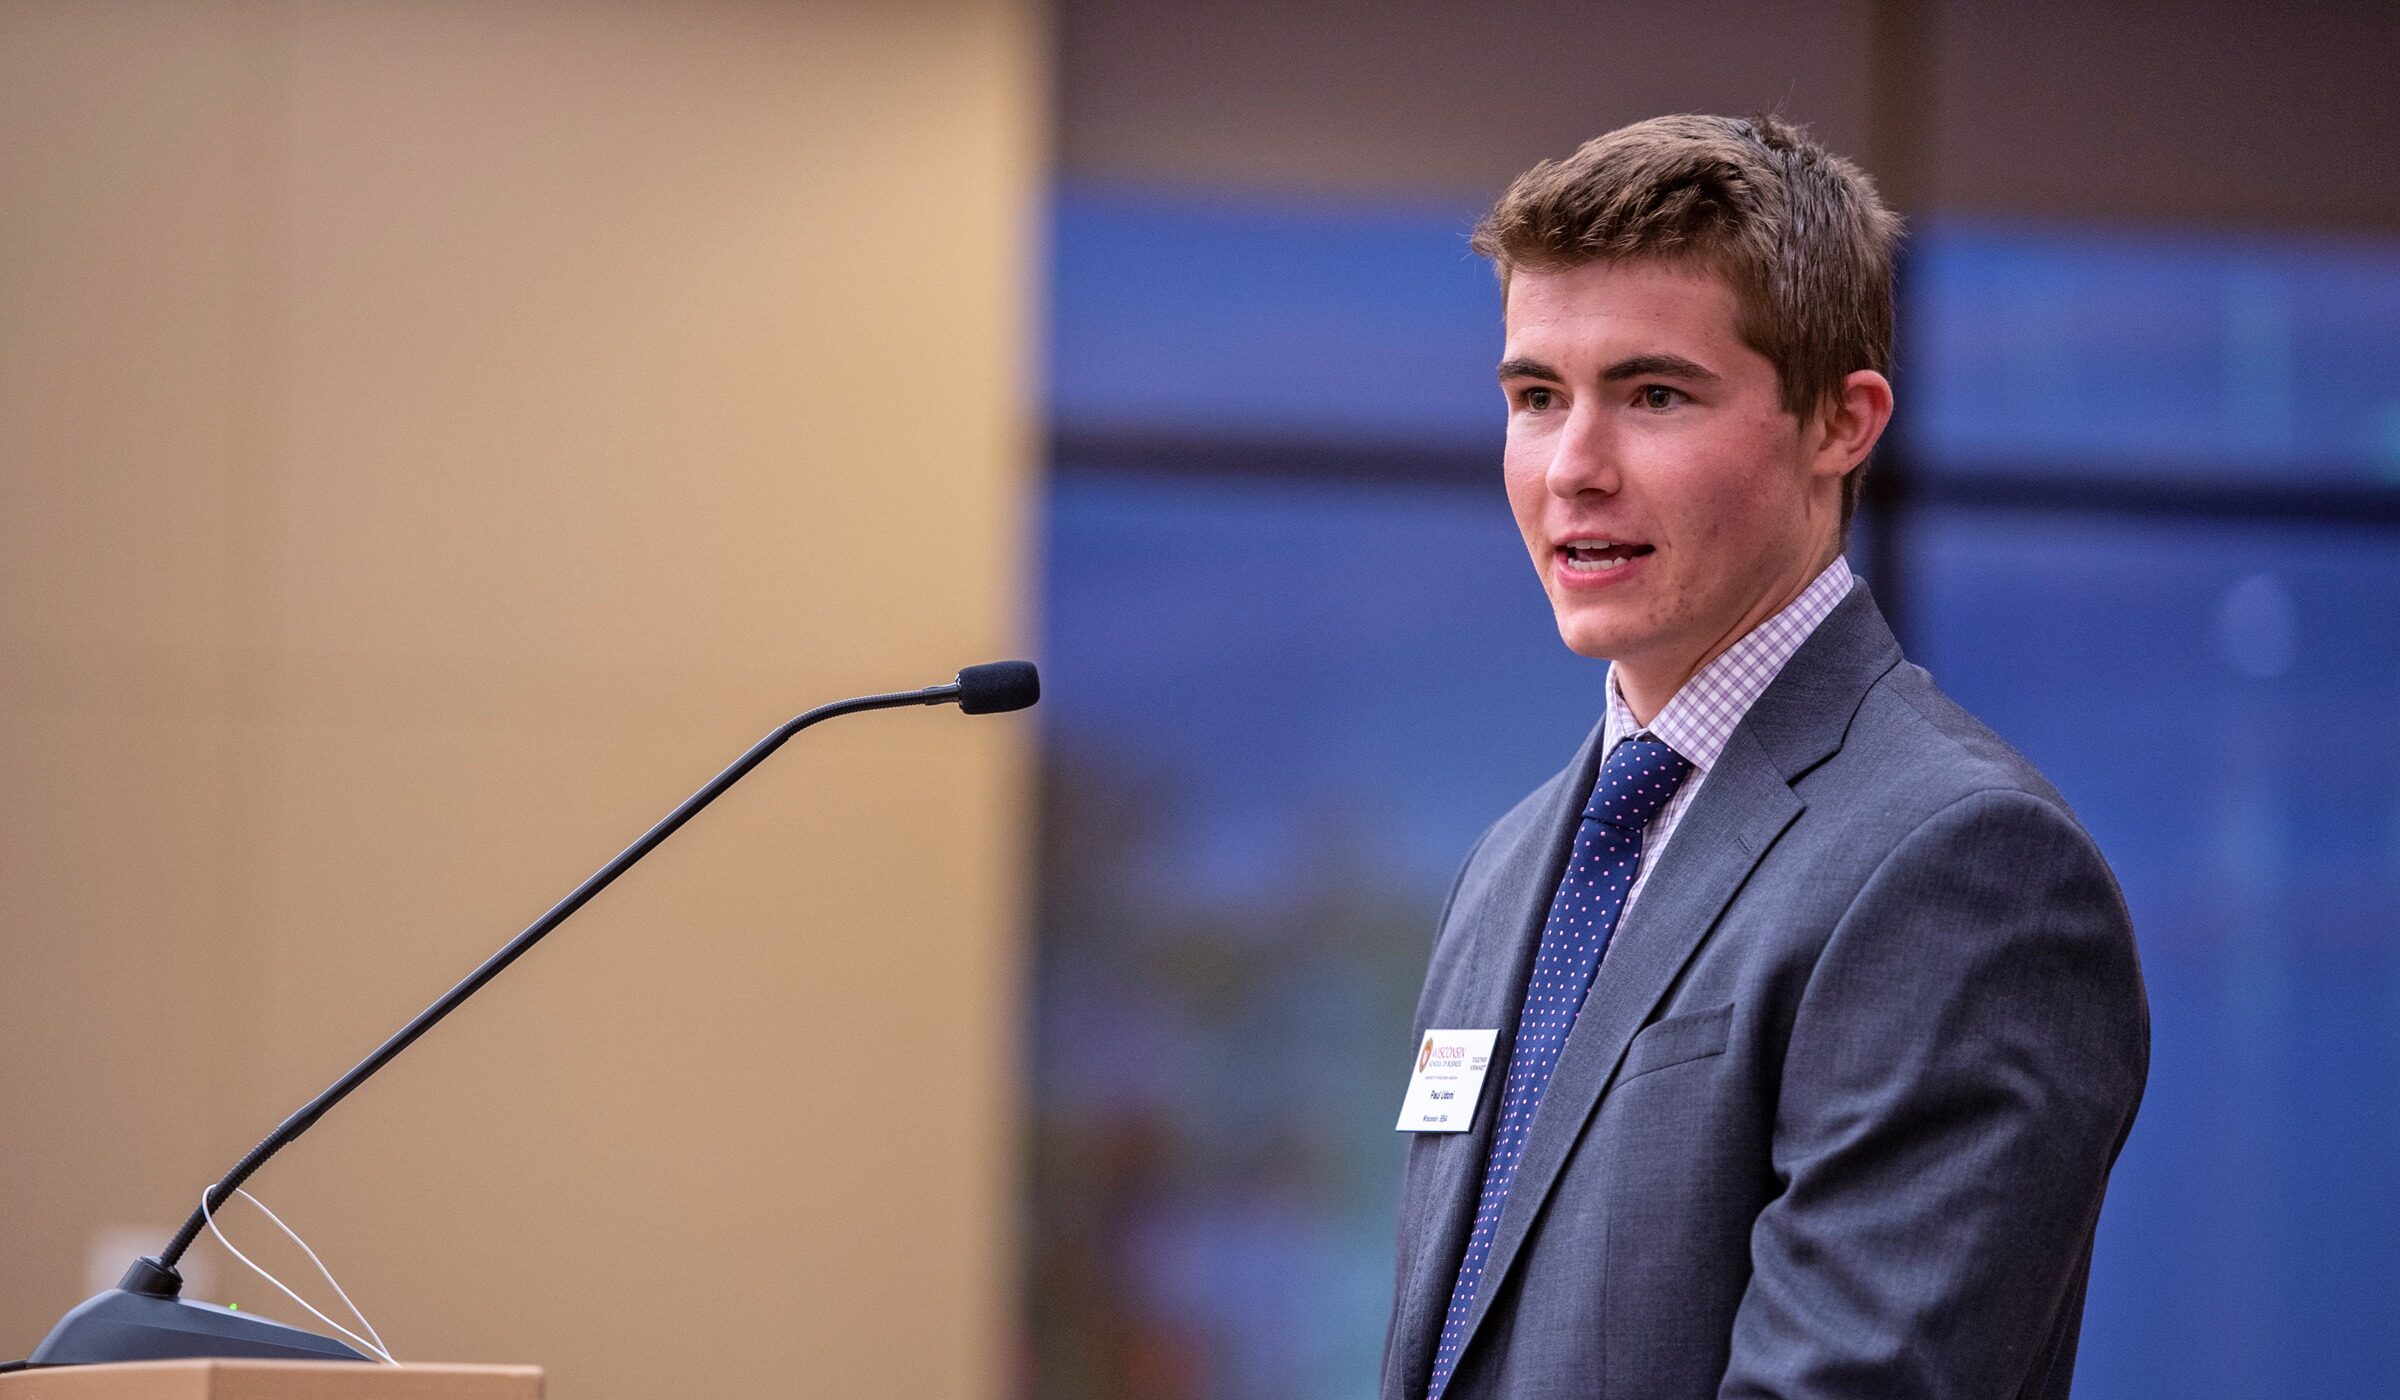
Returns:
<point x="995" y="688"/>
<point x="144" y="1319"/>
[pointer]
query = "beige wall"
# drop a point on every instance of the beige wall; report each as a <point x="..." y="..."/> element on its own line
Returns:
<point x="433" y="439"/>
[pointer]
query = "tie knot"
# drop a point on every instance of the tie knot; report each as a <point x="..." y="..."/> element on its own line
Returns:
<point x="1635" y="783"/>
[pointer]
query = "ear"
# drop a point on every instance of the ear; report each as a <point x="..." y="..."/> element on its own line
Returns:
<point x="1853" y="419"/>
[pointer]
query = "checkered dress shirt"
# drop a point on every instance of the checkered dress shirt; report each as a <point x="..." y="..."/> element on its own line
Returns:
<point x="1701" y="717"/>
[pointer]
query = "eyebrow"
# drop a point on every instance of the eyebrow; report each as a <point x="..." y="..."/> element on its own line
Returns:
<point x="1636" y="367"/>
<point x="1530" y="369"/>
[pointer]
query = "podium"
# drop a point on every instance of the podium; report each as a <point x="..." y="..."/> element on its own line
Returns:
<point x="272" y="1380"/>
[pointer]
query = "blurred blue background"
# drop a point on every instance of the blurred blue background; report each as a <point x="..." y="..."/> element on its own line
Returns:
<point x="2140" y="512"/>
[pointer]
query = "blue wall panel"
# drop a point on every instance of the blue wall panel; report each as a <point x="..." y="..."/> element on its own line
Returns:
<point x="1280" y="711"/>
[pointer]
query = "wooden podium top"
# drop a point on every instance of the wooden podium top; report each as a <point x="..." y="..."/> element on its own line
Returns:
<point x="272" y="1380"/>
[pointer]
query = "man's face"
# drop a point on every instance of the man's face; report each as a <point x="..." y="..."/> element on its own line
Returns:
<point x="1668" y="499"/>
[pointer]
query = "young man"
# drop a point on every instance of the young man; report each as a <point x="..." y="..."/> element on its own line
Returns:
<point x="1819" y="1020"/>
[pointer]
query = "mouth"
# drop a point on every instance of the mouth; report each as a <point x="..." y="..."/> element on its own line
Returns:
<point x="1593" y="556"/>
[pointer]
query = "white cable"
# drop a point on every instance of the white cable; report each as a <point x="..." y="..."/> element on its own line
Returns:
<point x="380" y="1348"/>
<point x="376" y="1346"/>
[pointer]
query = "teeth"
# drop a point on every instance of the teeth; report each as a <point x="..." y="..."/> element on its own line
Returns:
<point x="1590" y="555"/>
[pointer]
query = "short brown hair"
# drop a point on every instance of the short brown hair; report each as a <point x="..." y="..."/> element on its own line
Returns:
<point x="1797" y="231"/>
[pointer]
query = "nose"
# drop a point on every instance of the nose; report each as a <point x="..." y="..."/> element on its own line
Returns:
<point x="1583" y="457"/>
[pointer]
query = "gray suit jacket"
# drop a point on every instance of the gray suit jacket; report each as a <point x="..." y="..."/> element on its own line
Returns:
<point x="1837" y="1114"/>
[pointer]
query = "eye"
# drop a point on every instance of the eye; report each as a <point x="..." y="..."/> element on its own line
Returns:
<point x="1659" y="396"/>
<point x="1538" y="398"/>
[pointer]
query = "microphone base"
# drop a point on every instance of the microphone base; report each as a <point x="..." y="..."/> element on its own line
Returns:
<point x="124" y="1326"/>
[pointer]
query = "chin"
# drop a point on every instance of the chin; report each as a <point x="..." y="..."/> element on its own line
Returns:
<point x="1594" y="637"/>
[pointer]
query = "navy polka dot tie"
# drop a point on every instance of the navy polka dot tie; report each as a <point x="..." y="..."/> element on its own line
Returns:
<point x="1639" y="777"/>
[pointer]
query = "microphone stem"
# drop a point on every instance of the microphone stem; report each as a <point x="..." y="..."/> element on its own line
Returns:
<point x="600" y="879"/>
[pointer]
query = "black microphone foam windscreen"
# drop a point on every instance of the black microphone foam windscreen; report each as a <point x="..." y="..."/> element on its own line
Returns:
<point x="998" y="687"/>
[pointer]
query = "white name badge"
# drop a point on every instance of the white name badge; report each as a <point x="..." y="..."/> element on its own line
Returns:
<point x="1447" y="1081"/>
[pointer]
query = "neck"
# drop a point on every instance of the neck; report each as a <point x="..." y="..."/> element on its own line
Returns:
<point x="1648" y="685"/>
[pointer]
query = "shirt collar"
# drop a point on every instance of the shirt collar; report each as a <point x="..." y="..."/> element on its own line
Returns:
<point x="1699" y="719"/>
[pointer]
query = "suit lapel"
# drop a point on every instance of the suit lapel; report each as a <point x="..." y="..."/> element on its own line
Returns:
<point x="1502" y="932"/>
<point x="1742" y="808"/>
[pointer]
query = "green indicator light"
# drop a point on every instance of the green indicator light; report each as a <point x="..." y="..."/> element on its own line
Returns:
<point x="233" y="1307"/>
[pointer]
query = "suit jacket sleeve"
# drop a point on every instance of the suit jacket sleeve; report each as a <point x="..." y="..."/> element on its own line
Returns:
<point x="1961" y="1069"/>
